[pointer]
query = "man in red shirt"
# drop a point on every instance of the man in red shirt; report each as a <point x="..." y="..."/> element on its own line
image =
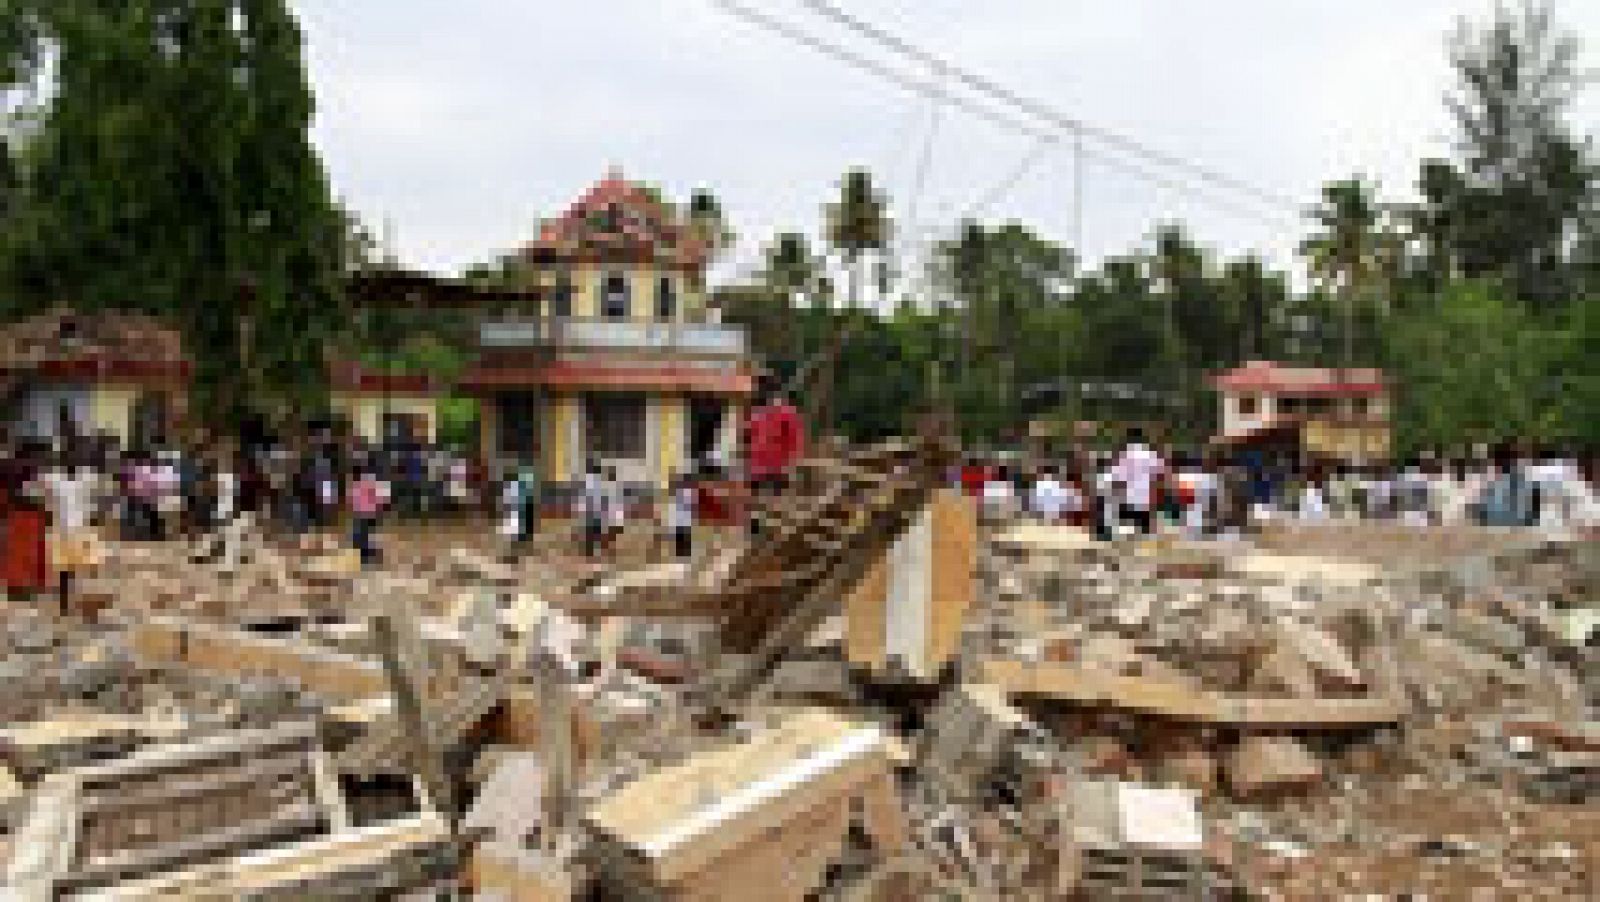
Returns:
<point x="775" y="437"/>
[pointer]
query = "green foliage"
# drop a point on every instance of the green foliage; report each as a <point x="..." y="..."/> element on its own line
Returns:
<point x="173" y="174"/>
<point x="1476" y="368"/>
<point x="708" y="221"/>
<point x="1524" y="181"/>
<point x="458" y="422"/>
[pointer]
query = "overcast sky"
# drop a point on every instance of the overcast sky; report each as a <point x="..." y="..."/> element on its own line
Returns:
<point x="459" y="122"/>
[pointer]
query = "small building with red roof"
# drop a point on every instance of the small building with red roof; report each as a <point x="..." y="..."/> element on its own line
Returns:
<point x="623" y="364"/>
<point x="1331" y="412"/>
<point x="64" y="372"/>
<point x="126" y="375"/>
<point x="377" y="404"/>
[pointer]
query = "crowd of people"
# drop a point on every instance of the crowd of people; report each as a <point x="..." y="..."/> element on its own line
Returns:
<point x="1141" y="490"/>
<point x="324" y="483"/>
<point x="93" y="489"/>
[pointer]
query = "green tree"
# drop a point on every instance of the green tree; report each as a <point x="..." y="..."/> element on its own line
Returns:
<point x="790" y="272"/>
<point x="1356" y="252"/>
<point x="1007" y="285"/>
<point x="1259" y="300"/>
<point x="708" y="221"/>
<point x="1512" y="203"/>
<point x="1478" y="368"/>
<point x="857" y="223"/>
<point x="173" y="173"/>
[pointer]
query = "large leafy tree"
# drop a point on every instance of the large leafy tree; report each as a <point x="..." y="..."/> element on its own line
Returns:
<point x="173" y="173"/>
<point x="1009" y="288"/>
<point x="1478" y="368"/>
<point x="1513" y="202"/>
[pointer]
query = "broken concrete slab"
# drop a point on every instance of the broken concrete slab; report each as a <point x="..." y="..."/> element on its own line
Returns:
<point x="1267" y="765"/>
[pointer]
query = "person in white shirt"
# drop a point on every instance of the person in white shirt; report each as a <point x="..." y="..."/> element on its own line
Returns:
<point x="616" y="506"/>
<point x="457" y="484"/>
<point x="592" y="511"/>
<point x="1049" y="497"/>
<point x="511" y="505"/>
<point x="169" y="501"/>
<point x="68" y="490"/>
<point x="1107" y="512"/>
<point x="1411" y="494"/>
<point x="1312" y="507"/>
<point x="227" y="503"/>
<point x="1197" y="487"/>
<point x="998" y="498"/>
<point x="1137" y="469"/>
<point x="1565" y="496"/>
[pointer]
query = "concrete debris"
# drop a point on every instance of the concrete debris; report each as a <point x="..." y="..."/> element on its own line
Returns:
<point x="1263" y="765"/>
<point x="880" y="699"/>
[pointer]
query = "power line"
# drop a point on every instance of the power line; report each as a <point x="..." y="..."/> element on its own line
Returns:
<point x="845" y="55"/>
<point x="928" y="89"/>
<point x="1046" y="113"/>
<point x="1001" y="189"/>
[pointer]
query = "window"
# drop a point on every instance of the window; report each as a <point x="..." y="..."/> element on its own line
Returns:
<point x="614" y="297"/>
<point x="666" y="299"/>
<point x="1248" y="405"/>
<point x="561" y="300"/>
<point x="614" y="426"/>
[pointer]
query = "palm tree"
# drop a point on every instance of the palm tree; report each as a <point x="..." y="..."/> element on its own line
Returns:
<point x="1356" y="252"/>
<point x="1258" y="297"/>
<point x="857" y="222"/>
<point x="708" y="222"/>
<point x="968" y="260"/>
<point x="1178" y="270"/>
<point x="791" y="273"/>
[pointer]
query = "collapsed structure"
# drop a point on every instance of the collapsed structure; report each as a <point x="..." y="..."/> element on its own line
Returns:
<point x="875" y="699"/>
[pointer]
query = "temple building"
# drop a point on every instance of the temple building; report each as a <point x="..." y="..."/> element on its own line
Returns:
<point x="623" y="365"/>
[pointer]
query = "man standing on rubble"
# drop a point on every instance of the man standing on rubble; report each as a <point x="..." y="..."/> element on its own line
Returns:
<point x="775" y="436"/>
<point x="68" y="492"/>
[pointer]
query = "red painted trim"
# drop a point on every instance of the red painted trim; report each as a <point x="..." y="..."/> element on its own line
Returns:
<point x="104" y="370"/>
<point x="351" y="378"/>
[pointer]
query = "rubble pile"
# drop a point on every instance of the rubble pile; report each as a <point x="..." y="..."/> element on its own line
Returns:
<point x="877" y="700"/>
<point x="1124" y="653"/>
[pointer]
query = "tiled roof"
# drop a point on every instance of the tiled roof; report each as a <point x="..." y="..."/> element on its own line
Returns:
<point x="651" y="226"/>
<point x="1272" y="377"/>
<point x="64" y="335"/>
